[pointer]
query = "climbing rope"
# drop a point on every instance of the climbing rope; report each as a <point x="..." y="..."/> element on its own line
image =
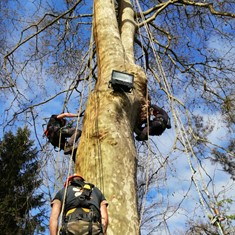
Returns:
<point x="78" y="119"/>
<point x="86" y="162"/>
<point x="147" y="166"/>
<point x="93" y="117"/>
<point x="183" y="133"/>
<point x="71" y="157"/>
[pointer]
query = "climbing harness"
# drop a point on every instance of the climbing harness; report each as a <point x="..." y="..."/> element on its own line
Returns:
<point x="85" y="210"/>
<point x="53" y="130"/>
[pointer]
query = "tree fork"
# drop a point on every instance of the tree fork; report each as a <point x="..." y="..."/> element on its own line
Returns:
<point x="106" y="153"/>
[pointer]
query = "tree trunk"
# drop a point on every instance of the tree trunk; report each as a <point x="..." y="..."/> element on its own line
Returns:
<point x="106" y="154"/>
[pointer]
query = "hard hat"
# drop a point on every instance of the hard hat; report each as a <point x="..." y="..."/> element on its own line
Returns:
<point x="73" y="176"/>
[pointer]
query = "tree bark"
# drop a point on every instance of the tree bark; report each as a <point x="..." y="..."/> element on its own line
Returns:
<point x="106" y="154"/>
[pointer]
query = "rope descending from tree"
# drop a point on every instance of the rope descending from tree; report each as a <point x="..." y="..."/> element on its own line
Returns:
<point x="78" y="119"/>
<point x="183" y="133"/>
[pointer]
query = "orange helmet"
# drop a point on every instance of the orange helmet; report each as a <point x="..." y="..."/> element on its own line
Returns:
<point x="71" y="177"/>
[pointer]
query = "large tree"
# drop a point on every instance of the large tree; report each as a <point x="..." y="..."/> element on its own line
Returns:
<point x="110" y="117"/>
<point x="21" y="204"/>
<point x="173" y="49"/>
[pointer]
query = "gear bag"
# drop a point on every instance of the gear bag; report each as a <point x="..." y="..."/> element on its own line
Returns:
<point x="53" y="132"/>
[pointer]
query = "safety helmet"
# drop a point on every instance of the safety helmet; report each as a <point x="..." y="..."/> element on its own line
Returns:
<point x="71" y="177"/>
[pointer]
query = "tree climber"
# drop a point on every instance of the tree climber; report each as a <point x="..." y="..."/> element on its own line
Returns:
<point x="85" y="209"/>
<point x="157" y="125"/>
<point x="58" y="131"/>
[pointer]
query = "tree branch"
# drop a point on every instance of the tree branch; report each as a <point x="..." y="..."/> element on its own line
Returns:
<point x="39" y="31"/>
<point x="160" y="9"/>
<point x="209" y="6"/>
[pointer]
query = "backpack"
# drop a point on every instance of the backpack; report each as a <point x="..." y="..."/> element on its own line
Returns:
<point x="53" y="132"/>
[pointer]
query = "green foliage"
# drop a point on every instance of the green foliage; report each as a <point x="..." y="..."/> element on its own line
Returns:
<point x="224" y="222"/>
<point x="18" y="184"/>
<point x="231" y="217"/>
<point x="222" y="202"/>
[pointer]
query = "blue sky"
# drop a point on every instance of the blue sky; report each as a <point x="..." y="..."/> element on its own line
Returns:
<point x="177" y="169"/>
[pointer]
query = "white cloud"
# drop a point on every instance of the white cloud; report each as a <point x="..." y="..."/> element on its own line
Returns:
<point x="222" y="47"/>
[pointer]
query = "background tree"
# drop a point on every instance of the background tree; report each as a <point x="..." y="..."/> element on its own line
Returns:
<point x="21" y="202"/>
<point x="181" y="51"/>
<point x="198" y="226"/>
<point x="226" y="160"/>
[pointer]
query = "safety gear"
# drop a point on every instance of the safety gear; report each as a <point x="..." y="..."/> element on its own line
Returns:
<point x="87" y="214"/>
<point x="77" y="182"/>
<point x="71" y="177"/>
<point x="80" y="226"/>
<point x="68" y="149"/>
<point x="53" y="132"/>
<point x="168" y="125"/>
<point x="84" y="199"/>
<point x="158" y="122"/>
<point x="85" y="210"/>
<point x="91" y="215"/>
<point x="141" y="137"/>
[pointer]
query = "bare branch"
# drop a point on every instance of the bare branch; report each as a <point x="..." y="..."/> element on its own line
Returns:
<point x="41" y="30"/>
<point x="159" y="10"/>
<point x="209" y="6"/>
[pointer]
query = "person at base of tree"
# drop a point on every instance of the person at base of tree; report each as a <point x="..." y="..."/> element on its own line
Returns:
<point x="157" y="125"/>
<point x="58" y="132"/>
<point x="85" y="209"/>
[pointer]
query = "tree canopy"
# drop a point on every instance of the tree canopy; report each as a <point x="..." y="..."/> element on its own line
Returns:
<point x="59" y="55"/>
